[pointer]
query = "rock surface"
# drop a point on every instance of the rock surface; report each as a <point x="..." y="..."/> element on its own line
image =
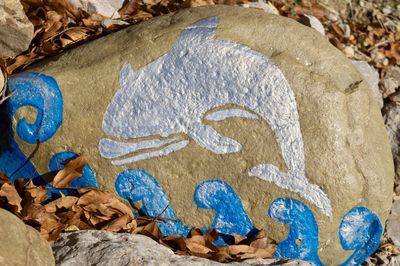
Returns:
<point x="391" y="81"/>
<point x="206" y="111"/>
<point x="393" y="223"/>
<point x="21" y="244"/>
<point x="16" y="31"/>
<point x="392" y="123"/>
<point x="372" y="77"/>
<point x="105" y="248"/>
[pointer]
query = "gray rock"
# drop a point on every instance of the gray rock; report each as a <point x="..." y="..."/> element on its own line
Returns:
<point x="267" y="7"/>
<point x="105" y="248"/>
<point x="392" y="123"/>
<point x="393" y="223"/>
<point x="107" y="8"/>
<point x="391" y="81"/>
<point x="16" y="31"/>
<point x="372" y="77"/>
<point x="21" y="244"/>
<point x="312" y="22"/>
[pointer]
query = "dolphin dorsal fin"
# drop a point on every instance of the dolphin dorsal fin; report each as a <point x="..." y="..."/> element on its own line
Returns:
<point x="126" y="74"/>
<point x="197" y="33"/>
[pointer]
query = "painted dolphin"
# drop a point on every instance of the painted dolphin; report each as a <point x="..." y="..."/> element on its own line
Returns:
<point x="175" y="92"/>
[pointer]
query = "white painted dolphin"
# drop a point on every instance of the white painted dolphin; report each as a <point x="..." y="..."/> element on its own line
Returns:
<point x="173" y="94"/>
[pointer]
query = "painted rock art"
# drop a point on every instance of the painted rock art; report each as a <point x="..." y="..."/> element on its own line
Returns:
<point x="215" y="117"/>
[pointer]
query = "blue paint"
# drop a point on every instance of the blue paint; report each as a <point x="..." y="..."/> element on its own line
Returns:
<point x="42" y="93"/>
<point x="229" y="214"/>
<point x="12" y="159"/>
<point x="137" y="185"/>
<point x="360" y="230"/>
<point x="302" y="241"/>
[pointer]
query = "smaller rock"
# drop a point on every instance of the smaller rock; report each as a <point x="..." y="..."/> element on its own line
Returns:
<point x="103" y="248"/>
<point x="16" y="31"/>
<point x="21" y="244"/>
<point x="333" y="17"/>
<point x="346" y="30"/>
<point x="391" y="81"/>
<point x="392" y="124"/>
<point x="393" y="223"/>
<point x="312" y="22"/>
<point x="349" y="51"/>
<point x="372" y="77"/>
<point x="107" y="8"/>
<point x="267" y="7"/>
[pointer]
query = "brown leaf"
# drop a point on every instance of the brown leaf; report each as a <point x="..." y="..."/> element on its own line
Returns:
<point x="38" y="194"/>
<point x="118" y="224"/>
<point x="65" y="202"/>
<point x="129" y="9"/>
<point x="51" y="229"/>
<point x="175" y="242"/>
<point x="197" y="248"/>
<point x="211" y="235"/>
<point x="72" y="170"/>
<point x="10" y="193"/>
<point x="4" y="179"/>
<point x="151" y="230"/>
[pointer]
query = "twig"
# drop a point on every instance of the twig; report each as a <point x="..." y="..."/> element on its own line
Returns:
<point x="159" y="216"/>
<point x="30" y="157"/>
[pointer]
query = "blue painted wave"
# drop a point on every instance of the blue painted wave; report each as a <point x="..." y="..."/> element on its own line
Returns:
<point x="42" y="93"/>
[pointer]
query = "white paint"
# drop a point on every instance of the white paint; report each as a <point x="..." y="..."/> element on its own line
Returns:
<point x="224" y="114"/>
<point x="163" y="151"/>
<point x="111" y="149"/>
<point x="199" y="73"/>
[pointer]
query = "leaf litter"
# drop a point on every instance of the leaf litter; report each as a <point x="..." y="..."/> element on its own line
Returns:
<point x="94" y="209"/>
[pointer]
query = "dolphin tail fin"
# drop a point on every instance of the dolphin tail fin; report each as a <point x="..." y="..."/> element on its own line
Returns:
<point x="294" y="182"/>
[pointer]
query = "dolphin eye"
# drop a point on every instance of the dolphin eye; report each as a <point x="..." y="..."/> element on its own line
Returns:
<point x="183" y="52"/>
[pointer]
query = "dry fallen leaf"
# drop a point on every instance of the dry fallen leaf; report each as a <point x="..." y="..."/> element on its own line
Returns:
<point x="72" y="170"/>
<point x="10" y="193"/>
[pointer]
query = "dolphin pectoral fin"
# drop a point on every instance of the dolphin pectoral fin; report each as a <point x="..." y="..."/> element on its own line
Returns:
<point x="210" y="139"/>
<point x="294" y="182"/>
<point x="224" y="114"/>
<point x="111" y="149"/>
<point x="164" y="151"/>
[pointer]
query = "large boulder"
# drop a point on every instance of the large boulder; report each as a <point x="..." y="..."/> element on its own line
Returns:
<point x="16" y="31"/>
<point x="217" y="116"/>
<point x="106" y="248"/>
<point x="21" y="244"/>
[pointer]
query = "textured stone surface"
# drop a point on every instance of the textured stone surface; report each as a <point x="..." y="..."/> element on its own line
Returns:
<point x="393" y="223"/>
<point x="21" y="244"/>
<point x="391" y="81"/>
<point x="298" y="121"/>
<point x="105" y="248"/>
<point x="392" y="123"/>
<point x="372" y="77"/>
<point x="16" y="31"/>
